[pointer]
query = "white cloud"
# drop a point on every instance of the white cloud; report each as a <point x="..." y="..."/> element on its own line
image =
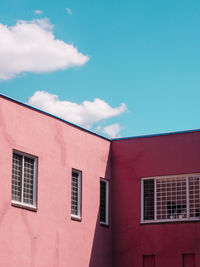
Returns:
<point x="69" y="11"/>
<point x="85" y="114"/>
<point x="112" y="130"/>
<point x="30" y="46"/>
<point x="42" y="23"/>
<point x="38" y="12"/>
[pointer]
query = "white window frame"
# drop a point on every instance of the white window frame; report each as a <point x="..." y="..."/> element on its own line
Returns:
<point x="106" y="181"/>
<point x="79" y="216"/>
<point x="21" y="203"/>
<point x="155" y="211"/>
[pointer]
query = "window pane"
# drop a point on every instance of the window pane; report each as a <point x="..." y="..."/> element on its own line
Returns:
<point x="28" y="180"/>
<point x="16" y="177"/>
<point x="149" y="199"/>
<point x="75" y="197"/>
<point x="171" y="198"/>
<point x="194" y="197"/>
<point x="103" y="201"/>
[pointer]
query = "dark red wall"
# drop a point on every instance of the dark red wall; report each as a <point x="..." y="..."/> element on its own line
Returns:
<point x="148" y="157"/>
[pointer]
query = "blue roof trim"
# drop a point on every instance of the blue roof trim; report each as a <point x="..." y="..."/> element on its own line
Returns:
<point x="49" y="114"/>
<point x="154" y="135"/>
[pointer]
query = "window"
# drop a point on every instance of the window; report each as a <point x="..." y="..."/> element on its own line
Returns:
<point x="188" y="260"/>
<point x="170" y="198"/>
<point x="149" y="261"/>
<point x="76" y="194"/>
<point x="24" y="179"/>
<point x="104" y="201"/>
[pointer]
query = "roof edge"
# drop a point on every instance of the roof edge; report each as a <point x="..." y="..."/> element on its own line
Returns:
<point x="93" y="133"/>
<point x="155" y="135"/>
<point x="53" y="116"/>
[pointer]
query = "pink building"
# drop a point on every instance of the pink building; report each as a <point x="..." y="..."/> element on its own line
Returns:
<point x="72" y="198"/>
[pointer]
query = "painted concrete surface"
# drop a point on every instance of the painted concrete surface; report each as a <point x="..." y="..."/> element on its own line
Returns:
<point x="150" y="157"/>
<point x="48" y="237"/>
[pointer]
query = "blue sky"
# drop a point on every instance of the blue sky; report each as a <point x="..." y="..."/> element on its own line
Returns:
<point x="140" y="60"/>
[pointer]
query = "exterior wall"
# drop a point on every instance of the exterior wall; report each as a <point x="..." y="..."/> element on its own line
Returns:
<point x="149" y="157"/>
<point x="48" y="237"/>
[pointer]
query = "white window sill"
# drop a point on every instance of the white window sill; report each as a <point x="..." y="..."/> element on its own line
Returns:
<point x="76" y="218"/>
<point x="104" y="224"/>
<point x="23" y="205"/>
<point x="171" y="221"/>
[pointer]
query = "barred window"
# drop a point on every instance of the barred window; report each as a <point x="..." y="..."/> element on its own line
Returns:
<point x="76" y="194"/>
<point x="170" y="198"/>
<point x="24" y="179"/>
<point x="104" y="201"/>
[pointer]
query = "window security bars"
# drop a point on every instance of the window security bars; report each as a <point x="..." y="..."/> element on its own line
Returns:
<point x="17" y="177"/>
<point x="174" y="198"/>
<point x="103" y="201"/>
<point x="28" y="180"/>
<point x="24" y="180"/>
<point x="76" y="194"/>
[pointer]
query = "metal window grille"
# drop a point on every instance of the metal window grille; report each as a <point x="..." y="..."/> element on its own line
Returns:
<point x="171" y="198"/>
<point x="76" y="194"/>
<point x="104" y="201"/>
<point x="194" y="196"/>
<point x="17" y="177"/>
<point x="28" y="180"/>
<point x="23" y="180"/>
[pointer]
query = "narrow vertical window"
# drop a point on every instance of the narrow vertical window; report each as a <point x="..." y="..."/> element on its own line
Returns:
<point x="76" y="194"/>
<point x="104" y="201"/>
<point x="24" y="179"/>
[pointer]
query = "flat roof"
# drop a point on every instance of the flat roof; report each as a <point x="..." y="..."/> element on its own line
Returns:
<point x="93" y="133"/>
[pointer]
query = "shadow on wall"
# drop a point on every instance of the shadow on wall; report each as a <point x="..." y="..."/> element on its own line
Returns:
<point x="101" y="253"/>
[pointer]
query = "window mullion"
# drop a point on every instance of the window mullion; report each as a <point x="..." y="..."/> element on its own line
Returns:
<point x="79" y="195"/>
<point x="155" y="199"/>
<point x="22" y="193"/>
<point x="107" y="201"/>
<point x="142" y="200"/>
<point x="34" y="182"/>
<point x="187" y="197"/>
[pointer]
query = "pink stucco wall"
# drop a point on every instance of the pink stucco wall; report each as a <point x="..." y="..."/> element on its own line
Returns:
<point x="48" y="237"/>
<point x="148" y="157"/>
